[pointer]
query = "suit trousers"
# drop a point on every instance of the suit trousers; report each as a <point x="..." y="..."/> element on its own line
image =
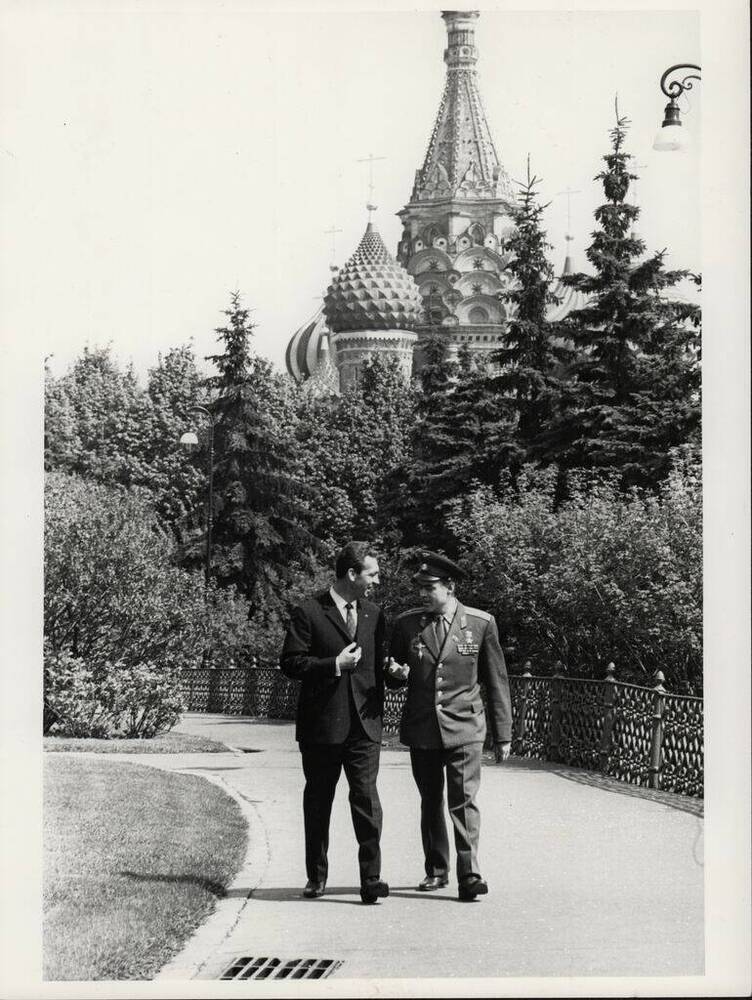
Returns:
<point x="462" y="766"/>
<point x="322" y="766"/>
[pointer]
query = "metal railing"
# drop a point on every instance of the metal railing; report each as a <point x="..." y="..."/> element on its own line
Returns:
<point x="641" y="735"/>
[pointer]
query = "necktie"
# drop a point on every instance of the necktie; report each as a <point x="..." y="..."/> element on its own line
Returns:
<point x="350" y="623"/>
<point x="441" y="630"/>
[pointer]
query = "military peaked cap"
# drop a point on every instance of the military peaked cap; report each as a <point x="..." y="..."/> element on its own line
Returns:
<point x="433" y="567"/>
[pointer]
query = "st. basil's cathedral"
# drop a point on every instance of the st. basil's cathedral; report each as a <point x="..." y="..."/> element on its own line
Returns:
<point x="451" y="269"/>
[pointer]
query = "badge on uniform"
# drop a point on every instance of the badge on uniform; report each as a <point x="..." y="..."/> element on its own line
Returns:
<point x="469" y="647"/>
<point x="418" y="645"/>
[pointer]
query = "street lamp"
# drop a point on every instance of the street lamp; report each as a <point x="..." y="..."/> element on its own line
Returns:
<point x="671" y="135"/>
<point x="190" y="440"/>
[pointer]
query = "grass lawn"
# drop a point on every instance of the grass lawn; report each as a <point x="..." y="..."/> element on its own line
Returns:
<point x="166" y="743"/>
<point x="134" y="860"/>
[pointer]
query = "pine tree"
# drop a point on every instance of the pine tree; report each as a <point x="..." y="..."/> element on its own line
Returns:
<point x="262" y="527"/>
<point x="531" y="358"/>
<point x="632" y="395"/>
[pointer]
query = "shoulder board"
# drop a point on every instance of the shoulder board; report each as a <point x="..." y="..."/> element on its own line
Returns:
<point x="412" y="611"/>
<point x="477" y="613"/>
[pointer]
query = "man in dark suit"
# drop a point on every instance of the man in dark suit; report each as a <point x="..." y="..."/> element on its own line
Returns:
<point x="334" y="646"/>
<point x="442" y="650"/>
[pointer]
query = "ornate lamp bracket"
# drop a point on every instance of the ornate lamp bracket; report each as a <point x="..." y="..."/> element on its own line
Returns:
<point x="674" y="88"/>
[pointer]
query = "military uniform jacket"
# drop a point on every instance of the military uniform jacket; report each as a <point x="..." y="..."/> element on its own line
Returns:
<point x="444" y="706"/>
<point x="315" y="636"/>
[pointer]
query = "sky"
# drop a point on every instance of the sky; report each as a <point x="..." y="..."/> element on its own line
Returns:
<point x="159" y="156"/>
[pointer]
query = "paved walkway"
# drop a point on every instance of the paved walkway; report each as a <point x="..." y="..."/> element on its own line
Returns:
<point x="586" y="876"/>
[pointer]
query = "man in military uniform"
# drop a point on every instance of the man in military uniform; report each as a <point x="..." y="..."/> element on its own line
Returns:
<point x="441" y="651"/>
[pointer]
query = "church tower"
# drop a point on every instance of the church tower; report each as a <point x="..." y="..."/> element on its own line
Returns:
<point x="457" y="219"/>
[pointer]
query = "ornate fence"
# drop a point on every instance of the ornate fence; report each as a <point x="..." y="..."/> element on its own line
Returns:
<point x="644" y="736"/>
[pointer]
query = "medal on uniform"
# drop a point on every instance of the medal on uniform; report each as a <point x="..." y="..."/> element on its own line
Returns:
<point x="469" y="647"/>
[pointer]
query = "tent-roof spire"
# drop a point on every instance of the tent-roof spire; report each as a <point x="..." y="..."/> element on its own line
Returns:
<point x="461" y="161"/>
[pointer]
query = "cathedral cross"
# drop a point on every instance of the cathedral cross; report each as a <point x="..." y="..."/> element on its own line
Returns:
<point x="370" y="160"/>
<point x="333" y="233"/>
<point x="569" y="192"/>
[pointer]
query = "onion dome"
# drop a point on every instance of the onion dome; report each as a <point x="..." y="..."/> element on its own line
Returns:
<point x="569" y="298"/>
<point x="309" y="348"/>
<point x="372" y="291"/>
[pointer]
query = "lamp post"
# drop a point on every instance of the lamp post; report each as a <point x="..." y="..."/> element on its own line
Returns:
<point x="190" y="440"/>
<point x="670" y="135"/>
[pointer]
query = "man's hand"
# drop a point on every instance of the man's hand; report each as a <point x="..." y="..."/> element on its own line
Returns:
<point x="349" y="658"/>
<point x="399" y="670"/>
<point x="502" y="752"/>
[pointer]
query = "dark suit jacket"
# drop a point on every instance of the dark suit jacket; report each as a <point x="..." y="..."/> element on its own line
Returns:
<point x="315" y="636"/>
<point x="444" y="706"/>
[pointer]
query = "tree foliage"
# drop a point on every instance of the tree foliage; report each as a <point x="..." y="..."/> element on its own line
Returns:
<point x="632" y="393"/>
<point x="102" y="425"/>
<point x="263" y="527"/>
<point x="453" y="445"/>
<point x="350" y="444"/>
<point x="532" y="355"/>
<point x="120" y="618"/>
<point x="605" y="575"/>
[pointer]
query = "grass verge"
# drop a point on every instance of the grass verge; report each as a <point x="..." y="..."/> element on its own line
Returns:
<point x="166" y="743"/>
<point x="134" y="860"/>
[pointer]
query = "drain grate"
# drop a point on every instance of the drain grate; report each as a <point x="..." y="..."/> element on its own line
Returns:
<point x="278" y="968"/>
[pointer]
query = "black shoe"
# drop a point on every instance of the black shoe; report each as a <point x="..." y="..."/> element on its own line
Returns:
<point x="314" y="889"/>
<point x="373" y="889"/>
<point x="431" y="882"/>
<point x="471" y="887"/>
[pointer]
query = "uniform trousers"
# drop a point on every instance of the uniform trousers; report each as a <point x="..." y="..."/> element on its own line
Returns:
<point x="462" y="766"/>
<point x="322" y="766"/>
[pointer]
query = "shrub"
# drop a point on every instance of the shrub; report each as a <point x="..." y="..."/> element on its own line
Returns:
<point x="603" y="576"/>
<point x="110" y="699"/>
<point x="120" y="619"/>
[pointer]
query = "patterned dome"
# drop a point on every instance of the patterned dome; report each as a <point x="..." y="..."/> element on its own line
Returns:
<point x="308" y="348"/>
<point x="372" y="291"/>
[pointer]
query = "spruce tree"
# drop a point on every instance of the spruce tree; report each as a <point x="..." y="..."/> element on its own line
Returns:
<point x="262" y="526"/>
<point x="450" y="444"/>
<point x="407" y="499"/>
<point x="531" y="358"/>
<point x="632" y="395"/>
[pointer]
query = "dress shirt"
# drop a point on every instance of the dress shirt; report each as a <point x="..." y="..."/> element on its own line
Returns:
<point x="448" y="616"/>
<point x="341" y="602"/>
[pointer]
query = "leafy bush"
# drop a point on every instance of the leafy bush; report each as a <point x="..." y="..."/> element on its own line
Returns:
<point x="110" y="699"/>
<point x="605" y="575"/>
<point x="120" y="619"/>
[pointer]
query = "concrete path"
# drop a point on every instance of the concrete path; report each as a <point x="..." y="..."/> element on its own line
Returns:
<point x="586" y="876"/>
